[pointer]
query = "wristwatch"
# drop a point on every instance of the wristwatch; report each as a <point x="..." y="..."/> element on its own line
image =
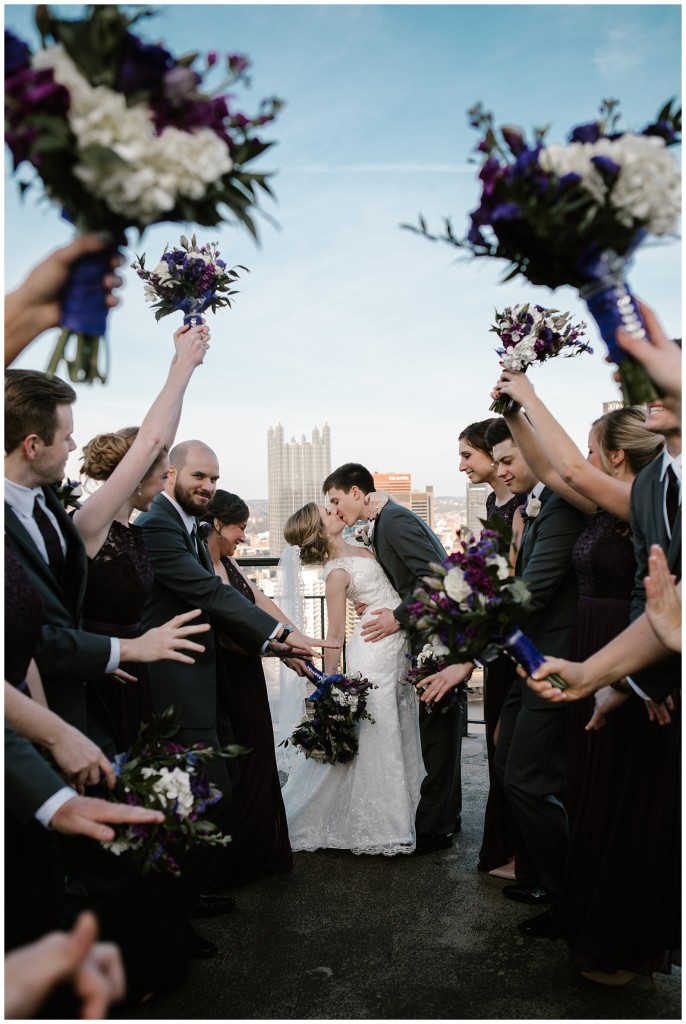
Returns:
<point x="283" y="635"/>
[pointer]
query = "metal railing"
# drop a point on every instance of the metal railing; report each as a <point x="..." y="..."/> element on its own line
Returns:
<point x="320" y="620"/>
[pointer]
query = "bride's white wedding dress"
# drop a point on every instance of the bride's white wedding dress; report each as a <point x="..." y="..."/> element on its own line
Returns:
<point x="368" y="805"/>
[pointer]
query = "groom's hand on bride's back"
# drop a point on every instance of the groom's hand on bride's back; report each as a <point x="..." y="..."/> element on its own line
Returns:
<point x="384" y="624"/>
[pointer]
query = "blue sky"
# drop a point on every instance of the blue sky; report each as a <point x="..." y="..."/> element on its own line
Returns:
<point x="345" y="318"/>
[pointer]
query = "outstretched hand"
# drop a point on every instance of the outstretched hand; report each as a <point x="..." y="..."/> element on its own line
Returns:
<point x="660" y="356"/>
<point x="663" y="600"/>
<point x="515" y="385"/>
<point x="36" y="304"/>
<point x="435" y="687"/>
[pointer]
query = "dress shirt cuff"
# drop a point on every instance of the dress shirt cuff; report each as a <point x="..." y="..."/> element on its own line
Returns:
<point x="47" y="811"/>
<point x="115" y="655"/>
<point x="637" y="689"/>
<point x="277" y="629"/>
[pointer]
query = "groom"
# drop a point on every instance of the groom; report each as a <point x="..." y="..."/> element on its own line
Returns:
<point x="404" y="547"/>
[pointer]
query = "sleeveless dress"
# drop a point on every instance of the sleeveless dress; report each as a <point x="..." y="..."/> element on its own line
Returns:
<point x="620" y="905"/>
<point x="368" y="805"/>
<point x="260" y="843"/>
<point x="120" y="578"/>
<point x="500" y="830"/>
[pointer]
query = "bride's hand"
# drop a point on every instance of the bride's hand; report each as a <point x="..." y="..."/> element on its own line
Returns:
<point x="437" y="685"/>
<point x="375" y="501"/>
<point x="192" y="343"/>
<point x="385" y="624"/>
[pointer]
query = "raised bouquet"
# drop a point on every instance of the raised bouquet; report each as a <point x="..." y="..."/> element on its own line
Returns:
<point x="575" y="214"/>
<point x="473" y="608"/>
<point x="532" y="334"/>
<point x="191" y="279"/>
<point x="425" y="664"/>
<point x="165" y="776"/>
<point x="122" y="134"/>
<point x="339" y="704"/>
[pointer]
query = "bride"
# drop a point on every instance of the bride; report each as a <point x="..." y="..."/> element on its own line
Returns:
<point x="367" y="805"/>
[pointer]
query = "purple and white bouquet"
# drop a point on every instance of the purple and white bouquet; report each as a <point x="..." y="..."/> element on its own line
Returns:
<point x="166" y="776"/>
<point x="329" y="734"/>
<point x="428" y="663"/>
<point x="473" y="608"/>
<point x="122" y="134"/>
<point x="532" y="334"/>
<point x="574" y="214"/>
<point x="69" y="492"/>
<point x="191" y="279"/>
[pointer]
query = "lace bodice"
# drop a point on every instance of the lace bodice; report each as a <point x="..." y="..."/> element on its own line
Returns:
<point x="604" y="559"/>
<point x="368" y="582"/>
<point x="120" y="578"/>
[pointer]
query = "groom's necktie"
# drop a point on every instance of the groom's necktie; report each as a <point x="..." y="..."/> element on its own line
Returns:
<point x="671" y="499"/>
<point x="51" y="539"/>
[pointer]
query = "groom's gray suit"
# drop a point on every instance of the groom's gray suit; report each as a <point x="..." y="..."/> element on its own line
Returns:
<point x="404" y="547"/>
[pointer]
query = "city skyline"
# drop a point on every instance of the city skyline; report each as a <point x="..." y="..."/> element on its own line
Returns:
<point x="345" y="318"/>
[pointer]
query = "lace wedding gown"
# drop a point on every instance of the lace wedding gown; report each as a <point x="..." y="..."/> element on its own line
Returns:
<point x="368" y="805"/>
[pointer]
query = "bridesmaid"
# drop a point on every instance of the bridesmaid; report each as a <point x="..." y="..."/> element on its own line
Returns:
<point x="615" y="924"/>
<point x="131" y="465"/>
<point x="260" y="843"/>
<point x="499" y="837"/>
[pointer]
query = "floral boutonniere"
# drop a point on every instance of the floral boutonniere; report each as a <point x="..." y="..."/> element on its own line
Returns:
<point x="533" y="507"/>
<point x="69" y="493"/>
<point x="360" y="534"/>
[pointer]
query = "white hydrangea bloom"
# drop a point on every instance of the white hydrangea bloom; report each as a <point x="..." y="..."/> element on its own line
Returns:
<point x="172" y="784"/>
<point x="157" y="169"/>
<point x="647" y="190"/>
<point x="455" y="586"/>
<point x="520" y="355"/>
<point x="502" y="564"/>
<point x="439" y="649"/>
<point x="343" y="699"/>
<point x="426" y="654"/>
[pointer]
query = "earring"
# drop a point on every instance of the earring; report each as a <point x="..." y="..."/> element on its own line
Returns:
<point x="139" y="493"/>
<point x="492" y="465"/>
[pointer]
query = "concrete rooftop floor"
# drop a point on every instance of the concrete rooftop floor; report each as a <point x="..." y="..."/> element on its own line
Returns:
<point x="375" y="938"/>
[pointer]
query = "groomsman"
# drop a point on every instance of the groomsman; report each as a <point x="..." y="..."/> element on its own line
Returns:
<point x="405" y="546"/>
<point x="656" y="519"/>
<point x="38" y="441"/>
<point x="529" y="758"/>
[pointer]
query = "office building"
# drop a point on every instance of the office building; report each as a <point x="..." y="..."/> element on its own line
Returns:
<point x="296" y="472"/>
<point x="399" y="486"/>
<point x="476" y="507"/>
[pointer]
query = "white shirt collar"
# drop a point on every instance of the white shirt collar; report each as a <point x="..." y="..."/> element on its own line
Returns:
<point x="190" y="522"/>
<point x="22" y="499"/>
<point x="537" y="491"/>
<point x="670" y="460"/>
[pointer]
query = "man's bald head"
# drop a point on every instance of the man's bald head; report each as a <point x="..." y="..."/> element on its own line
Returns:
<point x="193" y="475"/>
<point x="178" y="456"/>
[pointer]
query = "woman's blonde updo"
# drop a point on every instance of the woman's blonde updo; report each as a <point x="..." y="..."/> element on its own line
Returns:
<point x="625" y="430"/>
<point x="305" y="530"/>
<point x="104" y="452"/>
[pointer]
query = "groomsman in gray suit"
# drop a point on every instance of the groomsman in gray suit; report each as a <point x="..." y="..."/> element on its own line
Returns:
<point x="405" y="546"/>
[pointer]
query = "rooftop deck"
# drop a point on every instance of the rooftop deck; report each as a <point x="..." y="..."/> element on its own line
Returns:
<point x="360" y="938"/>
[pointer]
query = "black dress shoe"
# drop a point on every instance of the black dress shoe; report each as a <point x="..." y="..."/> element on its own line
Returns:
<point x="211" y="906"/>
<point x="429" y="844"/>
<point x="199" y="948"/>
<point x="539" y="927"/>
<point x="527" y="893"/>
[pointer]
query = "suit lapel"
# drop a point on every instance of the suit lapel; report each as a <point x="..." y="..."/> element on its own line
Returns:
<point x="76" y="564"/>
<point x="22" y="539"/>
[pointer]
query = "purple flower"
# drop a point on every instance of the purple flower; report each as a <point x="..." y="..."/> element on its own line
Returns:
<point x="180" y="83"/>
<point x="663" y="129"/>
<point x="606" y="166"/>
<point x="505" y="211"/>
<point x="212" y="58"/>
<point x="17" y="54"/>
<point x="238" y="63"/>
<point x="585" y="132"/>
<point x="142" y="67"/>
